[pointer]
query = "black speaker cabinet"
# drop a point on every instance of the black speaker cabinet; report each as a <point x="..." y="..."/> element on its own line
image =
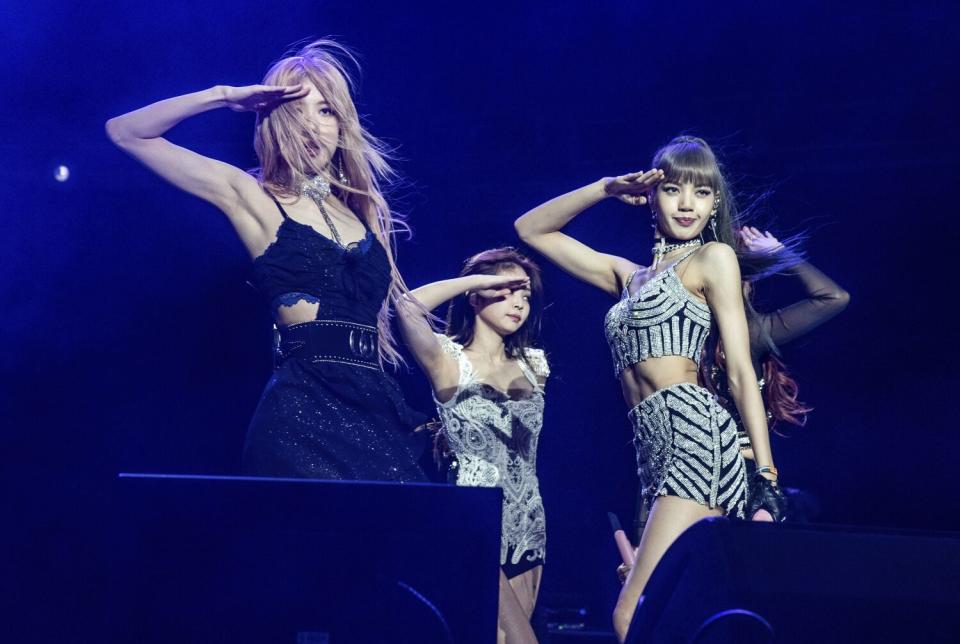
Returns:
<point x="744" y="582"/>
<point x="227" y="559"/>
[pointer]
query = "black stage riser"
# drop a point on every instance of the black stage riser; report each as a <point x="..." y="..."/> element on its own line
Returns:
<point x="223" y="559"/>
<point x="811" y="584"/>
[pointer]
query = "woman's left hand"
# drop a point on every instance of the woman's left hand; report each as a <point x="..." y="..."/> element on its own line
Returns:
<point x="759" y="242"/>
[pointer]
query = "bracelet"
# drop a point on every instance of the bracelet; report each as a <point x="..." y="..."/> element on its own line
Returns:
<point x="770" y="469"/>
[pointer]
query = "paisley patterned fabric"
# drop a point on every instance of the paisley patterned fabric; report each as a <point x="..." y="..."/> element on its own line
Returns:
<point x="494" y="436"/>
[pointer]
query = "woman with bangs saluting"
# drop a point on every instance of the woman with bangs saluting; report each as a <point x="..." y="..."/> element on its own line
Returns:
<point x="320" y="233"/>
<point x="688" y="455"/>
<point x="489" y="385"/>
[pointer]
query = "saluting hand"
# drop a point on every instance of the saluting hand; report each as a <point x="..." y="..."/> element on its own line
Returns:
<point x="494" y="286"/>
<point x="262" y="98"/>
<point x="633" y="188"/>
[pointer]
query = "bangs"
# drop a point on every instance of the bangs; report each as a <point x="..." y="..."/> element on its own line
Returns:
<point x="688" y="162"/>
<point x="498" y="260"/>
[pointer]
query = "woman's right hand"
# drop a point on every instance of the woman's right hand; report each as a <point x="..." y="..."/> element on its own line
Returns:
<point x="494" y="286"/>
<point x="261" y="98"/>
<point x="633" y="188"/>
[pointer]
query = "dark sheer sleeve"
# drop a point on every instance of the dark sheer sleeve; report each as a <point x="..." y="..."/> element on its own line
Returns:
<point x="824" y="300"/>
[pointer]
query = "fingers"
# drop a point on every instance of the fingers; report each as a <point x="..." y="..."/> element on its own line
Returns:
<point x="633" y="200"/>
<point x="270" y="93"/>
<point x="647" y="177"/>
<point x="270" y="89"/>
<point x="281" y="89"/>
<point x="297" y="91"/>
<point x="752" y="235"/>
<point x="652" y="177"/>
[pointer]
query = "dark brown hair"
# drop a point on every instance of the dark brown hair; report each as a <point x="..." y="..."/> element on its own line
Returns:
<point x="780" y="390"/>
<point x="460" y="315"/>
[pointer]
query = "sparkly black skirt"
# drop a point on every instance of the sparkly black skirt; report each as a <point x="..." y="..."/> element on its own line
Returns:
<point x="328" y="419"/>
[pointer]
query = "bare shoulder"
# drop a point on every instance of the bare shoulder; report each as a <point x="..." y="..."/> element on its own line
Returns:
<point x="717" y="262"/>
<point x="717" y="257"/>
<point x="716" y="254"/>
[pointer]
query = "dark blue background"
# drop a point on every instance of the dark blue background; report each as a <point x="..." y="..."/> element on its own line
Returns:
<point x="131" y="341"/>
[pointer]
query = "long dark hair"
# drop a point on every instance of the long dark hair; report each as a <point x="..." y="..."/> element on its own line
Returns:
<point x="461" y="317"/>
<point x="780" y="390"/>
<point x="691" y="159"/>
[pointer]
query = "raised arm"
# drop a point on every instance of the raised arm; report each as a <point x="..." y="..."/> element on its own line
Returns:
<point x="413" y="309"/>
<point x="140" y="134"/>
<point x="540" y="228"/>
<point x="824" y="297"/>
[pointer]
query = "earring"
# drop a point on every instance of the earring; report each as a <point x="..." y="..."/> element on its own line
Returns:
<point x="340" y="174"/>
<point x="653" y="218"/>
<point x="713" y="226"/>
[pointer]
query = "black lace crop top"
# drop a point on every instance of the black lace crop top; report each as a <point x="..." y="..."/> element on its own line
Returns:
<point x="348" y="282"/>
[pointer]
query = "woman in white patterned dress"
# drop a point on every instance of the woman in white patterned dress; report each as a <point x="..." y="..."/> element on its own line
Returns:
<point x="488" y="384"/>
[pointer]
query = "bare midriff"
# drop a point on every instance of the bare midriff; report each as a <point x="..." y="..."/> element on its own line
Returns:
<point x="296" y="313"/>
<point x="642" y="379"/>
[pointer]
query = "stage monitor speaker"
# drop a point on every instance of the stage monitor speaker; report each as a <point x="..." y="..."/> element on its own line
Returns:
<point x="230" y="559"/>
<point x="746" y="582"/>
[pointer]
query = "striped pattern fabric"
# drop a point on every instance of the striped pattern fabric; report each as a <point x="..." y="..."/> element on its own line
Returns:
<point x="687" y="447"/>
<point x="661" y="319"/>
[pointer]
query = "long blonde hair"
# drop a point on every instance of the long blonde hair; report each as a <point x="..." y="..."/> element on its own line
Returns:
<point x="283" y="140"/>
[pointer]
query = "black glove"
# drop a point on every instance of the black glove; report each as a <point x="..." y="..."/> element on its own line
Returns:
<point x="765" y="494"/>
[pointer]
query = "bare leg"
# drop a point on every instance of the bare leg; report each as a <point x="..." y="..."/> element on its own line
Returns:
<point x="669" y="517"/>
<point x="513" y="623"/>
<point x="526" y="587"/>
<point x="762" y="515"/>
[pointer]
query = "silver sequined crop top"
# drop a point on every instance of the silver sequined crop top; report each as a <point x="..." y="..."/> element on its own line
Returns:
<point x="661" y="319"/>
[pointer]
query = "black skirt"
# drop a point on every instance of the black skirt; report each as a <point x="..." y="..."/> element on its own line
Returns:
<point x="331" y="420"/>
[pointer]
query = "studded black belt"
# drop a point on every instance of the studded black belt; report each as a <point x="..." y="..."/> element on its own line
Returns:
<point x="330" y="341"/>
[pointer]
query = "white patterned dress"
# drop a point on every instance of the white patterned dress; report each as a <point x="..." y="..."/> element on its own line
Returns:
<point x="494" y="437"/>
